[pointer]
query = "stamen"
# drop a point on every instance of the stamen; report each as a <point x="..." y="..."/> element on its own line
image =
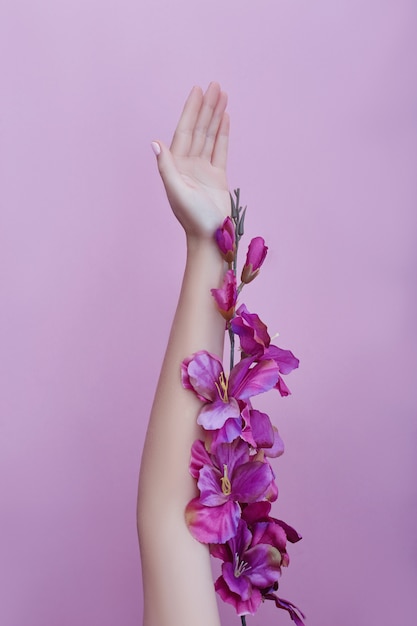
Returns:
<point x="226" y="484"/>
<point x="221" y="387"/>
<point x="241" y="567"/>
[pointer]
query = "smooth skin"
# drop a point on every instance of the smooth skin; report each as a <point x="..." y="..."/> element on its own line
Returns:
<point x="176" y="571"/>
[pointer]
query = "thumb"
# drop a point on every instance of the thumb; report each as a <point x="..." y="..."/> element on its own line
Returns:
<point x="167" y="168"/>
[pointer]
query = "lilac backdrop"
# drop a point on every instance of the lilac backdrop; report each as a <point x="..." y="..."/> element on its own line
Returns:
<point x="323" y="105"/>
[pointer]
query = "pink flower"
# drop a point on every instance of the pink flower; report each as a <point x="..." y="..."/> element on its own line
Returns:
<point x="203" y="373"/>
<point x="226" y="296"/>
<point x="225" y="479"/>
<point x="256" y="342"/>
<point x="279" y="532"/>
<point x="252" y="561"/>
<point x="250" y="565"/>
<point x="255" y="257"/>
<point x="225" y="239"/>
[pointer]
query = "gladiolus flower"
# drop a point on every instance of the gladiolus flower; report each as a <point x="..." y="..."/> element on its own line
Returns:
<point x="225" y="478"/>
<point x="203" y="373"/>
<point x="279" y="531"/>
<point x="256" y="342"/>
<point x="250" y="564"/>
<point x="225" y="239"/>
<point x="226" y="296"/>
<point x="255" y="257"/>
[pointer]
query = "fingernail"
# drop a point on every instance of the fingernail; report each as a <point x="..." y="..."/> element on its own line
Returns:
<point x="156" y="148"/>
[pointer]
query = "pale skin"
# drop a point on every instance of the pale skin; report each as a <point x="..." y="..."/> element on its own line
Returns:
<point x="176" y="572"/>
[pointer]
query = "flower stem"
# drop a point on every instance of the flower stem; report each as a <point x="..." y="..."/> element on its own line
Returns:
<point x="232" y="348"/>
<point x="243" y="619"/>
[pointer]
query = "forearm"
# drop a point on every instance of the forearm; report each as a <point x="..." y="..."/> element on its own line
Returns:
<point x="197" y="325"/>
<point x="165" y="485"/>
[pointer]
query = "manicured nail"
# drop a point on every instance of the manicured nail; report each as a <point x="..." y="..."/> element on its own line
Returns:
<point x="156" y="148"/>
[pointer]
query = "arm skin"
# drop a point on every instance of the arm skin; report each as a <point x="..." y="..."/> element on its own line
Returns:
<point x="177" y="579"/>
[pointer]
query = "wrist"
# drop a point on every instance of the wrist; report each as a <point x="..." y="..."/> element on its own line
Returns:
<point x="202" y="246"/>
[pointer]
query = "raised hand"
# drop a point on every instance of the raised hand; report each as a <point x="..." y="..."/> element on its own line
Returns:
<point x="193" y="170"/>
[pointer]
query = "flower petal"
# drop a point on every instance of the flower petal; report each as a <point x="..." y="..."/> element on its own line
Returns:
<point x="225" y="239"/>
<point x="213" y="415"/>
<point x="253" y="333"/>
<point x="248" y="607"/>
<point x="285" y="359"/>
<point x="231" y="429"/>
<point x="233" y="455"/>
<point x="209" y="484"/>
<point x="199" y="458"/>
<point x="256" y="512"/>
<point x="251" y="481"/>
<point x="216" y="524"/>
<point x="282" y="387"/>
<point x="246" y="381"/>
<point x="260" y="427"/>
<point x="200" y="373"/>
<point x="226" y="296"/>
<point x="277" y="448"/>
<point x="241" y="585"/>
<point x="270" y="533"/>
<point x="294" y="611"/>
<point x="264" y="561"/>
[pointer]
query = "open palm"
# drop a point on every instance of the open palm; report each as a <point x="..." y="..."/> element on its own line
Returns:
<point x="194" y="168"/>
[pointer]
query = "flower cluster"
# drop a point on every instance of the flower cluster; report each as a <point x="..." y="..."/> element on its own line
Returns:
<point x="231" y="464"/>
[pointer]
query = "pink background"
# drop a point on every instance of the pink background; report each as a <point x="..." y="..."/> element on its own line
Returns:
<point x="323" y="102"/>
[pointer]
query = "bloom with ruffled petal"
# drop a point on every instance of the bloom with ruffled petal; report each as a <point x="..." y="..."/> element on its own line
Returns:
<point x="225" y="239"/>
<point x="253" y="333"/>
<point x="256" y="342"/>
<point x="254" y="258"/>
<point x="203" y="373"/>
<point x="277" y="531"/>
<point x="225" y="479"/>
<point x="226" y="296"/>
<point x="249" y="566"/>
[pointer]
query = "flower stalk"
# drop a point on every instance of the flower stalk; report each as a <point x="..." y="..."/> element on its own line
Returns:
<point x="230" y="464"/>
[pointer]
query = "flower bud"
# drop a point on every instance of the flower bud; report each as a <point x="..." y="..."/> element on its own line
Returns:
<point x="225" y="239"/>
<point x="226" y="296"/>
<point x="255" y="257"/>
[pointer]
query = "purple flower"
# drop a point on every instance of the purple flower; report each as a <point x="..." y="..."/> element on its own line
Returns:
<point x="225" y="239"/>
<point x="255" y="341"/>
<point x="225" y="478"/>
<point x="253" y="333"/>
<point x="276" y="532"/>
<point x="226" y="296"/>
<point x="250" y="565"/>
<point x="255" y="257"/>
<point x="203" y="373"/>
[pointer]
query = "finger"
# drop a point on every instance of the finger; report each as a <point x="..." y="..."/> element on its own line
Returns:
<point x="214" y="126"/>
<point x="183" y="134"/>
<point x="221" y="144"/>
<point x="205" y="115"/>
<point x="169" y="173"/>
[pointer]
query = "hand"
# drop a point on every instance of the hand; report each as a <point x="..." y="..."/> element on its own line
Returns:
<point x="193" y="170"/>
